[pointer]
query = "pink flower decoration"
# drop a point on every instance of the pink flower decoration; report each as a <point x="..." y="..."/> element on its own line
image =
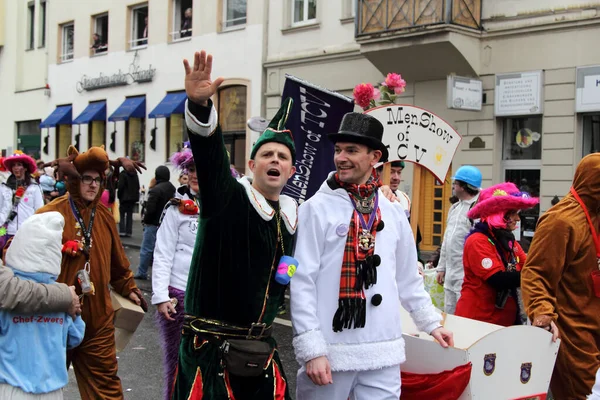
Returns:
<point x="395" y="82"/>
<point x="376" y="94"/>
<point x="363" y="94"/>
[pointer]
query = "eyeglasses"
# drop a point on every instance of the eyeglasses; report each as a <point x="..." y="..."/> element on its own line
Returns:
<point x="87" y="180"/>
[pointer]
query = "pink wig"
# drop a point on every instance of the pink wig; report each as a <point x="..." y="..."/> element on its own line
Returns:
<point x="182" y="159"/>
<point x="494" y="202"/>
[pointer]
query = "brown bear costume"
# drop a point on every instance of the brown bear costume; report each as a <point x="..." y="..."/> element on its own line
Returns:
<point x="94" y="361"/>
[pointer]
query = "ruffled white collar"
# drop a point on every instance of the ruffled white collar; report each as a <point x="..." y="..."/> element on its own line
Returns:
<point x="289" y="207"/>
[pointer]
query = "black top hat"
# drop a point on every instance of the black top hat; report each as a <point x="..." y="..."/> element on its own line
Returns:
<point x="362" y="129"/>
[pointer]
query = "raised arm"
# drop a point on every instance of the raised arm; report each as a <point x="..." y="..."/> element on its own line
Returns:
<point x="210" y="155"/>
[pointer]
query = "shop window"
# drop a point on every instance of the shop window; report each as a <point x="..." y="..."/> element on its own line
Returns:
<point x="182" y="19"/>
<point x="63" y="139"/>
<point x="232" y="118"/>
<point x="97" y="134"/>
<point x="139" y="26"/>
<point x="67" y="41"/>
<point x="30" y="24"/>
<point x="100" y="35"/>
<point x="591" y="134"/>
<point x="29" y="137"/>
<point x="234" y="12"/>
<point x="527" y="180"/>
<point x="42" y="23"/>
<point x="522" y="138"/>
<point x="304" y="11"/>
<point x="135" y="139"/>
<point x="176" y="133"/>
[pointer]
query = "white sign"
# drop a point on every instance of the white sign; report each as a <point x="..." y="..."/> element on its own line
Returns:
<point x="588" y="89"/>
<point x="464" y="93"/>
<point x="519" y="94"/>
<point x="419" y="136"/>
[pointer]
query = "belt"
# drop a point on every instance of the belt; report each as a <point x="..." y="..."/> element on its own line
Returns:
<point x="213" y="328"/>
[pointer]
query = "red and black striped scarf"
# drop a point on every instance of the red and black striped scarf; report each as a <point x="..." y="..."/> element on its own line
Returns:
<point x="359" y="270"/>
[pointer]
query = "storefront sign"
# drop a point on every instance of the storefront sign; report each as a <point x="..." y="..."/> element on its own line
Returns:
<point x="119" y="78"/>
<point x="519" y="94"/>
<point x="464" y="93"/>
<point x="588" y="89"/>
<point x="417" y="135"/>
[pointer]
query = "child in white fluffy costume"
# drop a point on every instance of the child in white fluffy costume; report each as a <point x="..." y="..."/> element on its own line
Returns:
<point x="33" y="348"/>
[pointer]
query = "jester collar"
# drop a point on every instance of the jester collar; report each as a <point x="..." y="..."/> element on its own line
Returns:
<point x="289" y="207"/>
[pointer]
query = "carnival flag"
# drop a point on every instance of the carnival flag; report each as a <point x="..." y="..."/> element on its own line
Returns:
<point x="316" y="112"/>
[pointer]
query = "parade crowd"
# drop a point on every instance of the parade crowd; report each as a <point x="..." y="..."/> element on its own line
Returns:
<point x="224" y="248"/>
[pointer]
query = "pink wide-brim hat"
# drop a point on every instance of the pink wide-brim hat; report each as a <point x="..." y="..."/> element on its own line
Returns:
<point x="27" y="162"/>
<point x="501" y="198"/>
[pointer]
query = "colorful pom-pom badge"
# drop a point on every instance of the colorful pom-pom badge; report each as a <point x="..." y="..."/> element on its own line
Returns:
<point x="2" y="231"/>
<point x="286" y="269"/>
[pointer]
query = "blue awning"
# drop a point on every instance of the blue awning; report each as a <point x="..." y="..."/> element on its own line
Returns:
<point x="93" y="112"/>
<point x="62" y="115"/>
<point x="172" y="103"/>
<point x="132" y="107"/>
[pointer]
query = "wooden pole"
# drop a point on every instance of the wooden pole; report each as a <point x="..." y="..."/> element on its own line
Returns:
<point x="386" y="173"/>
<point x="415" y="198"/>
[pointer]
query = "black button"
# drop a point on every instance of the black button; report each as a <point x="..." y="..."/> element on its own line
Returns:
<point x="376" y="299"/>
<point x="380" y="226"/>
<point x="376" y="260"/>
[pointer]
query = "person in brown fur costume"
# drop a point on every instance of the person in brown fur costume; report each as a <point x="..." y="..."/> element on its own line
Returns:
<point x="561" y="281"/>
<point x="91" y="243"/>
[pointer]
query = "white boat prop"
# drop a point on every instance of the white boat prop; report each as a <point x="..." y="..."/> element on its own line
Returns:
<point x="507" y="363"/>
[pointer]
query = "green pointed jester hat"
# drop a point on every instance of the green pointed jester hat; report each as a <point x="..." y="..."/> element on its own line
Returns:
<point x="276" y="131"/>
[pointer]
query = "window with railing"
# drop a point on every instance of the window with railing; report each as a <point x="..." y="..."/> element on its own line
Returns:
<point x="234" y="13"/>
<point x="100" y="35"/>
<point x="67" y="41"/>
<point x="377" y="16"/>
<point x="181" y="28"/>
<point x="304" y="11"/>
<point x="139" y="26"/>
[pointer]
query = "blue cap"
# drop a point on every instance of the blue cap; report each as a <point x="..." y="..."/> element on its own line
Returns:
<point x="470" y="175"/>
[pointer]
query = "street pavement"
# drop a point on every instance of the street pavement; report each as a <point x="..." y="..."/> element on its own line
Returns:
<point x="140" y="364"/>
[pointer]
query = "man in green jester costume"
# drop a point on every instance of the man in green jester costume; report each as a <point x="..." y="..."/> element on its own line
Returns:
<point x="245" y="227"/>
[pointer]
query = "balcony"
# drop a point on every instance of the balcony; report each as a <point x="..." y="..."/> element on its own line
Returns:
<point x="384" y="16"/>
<point x="413" y="36"/>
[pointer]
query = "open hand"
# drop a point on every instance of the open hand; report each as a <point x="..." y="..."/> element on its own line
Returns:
<point x="198" y="85"/>
<point x="388" y="193"/>
<point x="128" y="165"/>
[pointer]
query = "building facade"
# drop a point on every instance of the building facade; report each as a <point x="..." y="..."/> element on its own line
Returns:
<point x="23" y="74"/>
<point x="539" y="112"/>
<point x="115" y="74"/>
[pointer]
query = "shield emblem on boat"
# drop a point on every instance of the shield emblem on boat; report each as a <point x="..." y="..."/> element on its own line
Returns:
<point x="489" y="364"/>
<point x="525" y="372"/>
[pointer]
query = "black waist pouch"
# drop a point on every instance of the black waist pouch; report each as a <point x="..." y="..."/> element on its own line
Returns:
<point x="246" y="357"/>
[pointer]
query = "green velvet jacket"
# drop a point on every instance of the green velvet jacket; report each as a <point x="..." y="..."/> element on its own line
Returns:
<point x="231" y="276"/>
<point x="236" y="248"/>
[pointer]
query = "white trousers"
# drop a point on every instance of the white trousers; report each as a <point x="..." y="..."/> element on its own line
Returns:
<point x="379" y="384"/>
<point x="8" y="392"/>
<point x="450" y="299"/>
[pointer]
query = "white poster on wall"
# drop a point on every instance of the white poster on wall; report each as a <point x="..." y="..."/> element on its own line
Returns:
<point x="464" y="93"/>
<point x="587" y="96"/>
<point x="417" y="135"/>
<point x="519" y="94"/>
